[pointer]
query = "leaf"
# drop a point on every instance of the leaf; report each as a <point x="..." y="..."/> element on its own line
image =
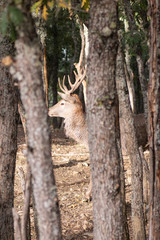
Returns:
<point x="69" y="5"/>
<point x="36" y="6"/>
<point x="7" y="61"/>
<point x="63" y="4"/>
<point x="50" y="4"/>
<point x="85" y="5"/>
<point x="44" y="13"/>
<point x="15" y="15"/>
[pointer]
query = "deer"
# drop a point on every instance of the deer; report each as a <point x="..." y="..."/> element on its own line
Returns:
<point x="71" y="109"/>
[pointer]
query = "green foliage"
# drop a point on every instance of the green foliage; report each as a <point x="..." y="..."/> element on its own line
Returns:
<point x="10" y="20"/>
<point x="60" y="39"/>
<point x="137" y="43"/>
<point x="136" y="40"/>
<point x="15" y="15"/>
<point x="140" y="9"/>
<point x="17" y="2"/>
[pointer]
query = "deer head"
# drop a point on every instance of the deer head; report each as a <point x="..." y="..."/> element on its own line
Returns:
<point x="70" y="103"/>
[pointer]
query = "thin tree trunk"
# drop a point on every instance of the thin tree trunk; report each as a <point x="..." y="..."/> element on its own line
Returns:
<point x="52" y="64"/>
<point x="143" y="82"/>
<point x="130" y="85"/>
<point x="8" y="139"/>
<point x="125" y="224"/>
<point x="101" y="111"/>
<point x="38" y="144"/>
<point x="129" y="74"/>
<point x="40" y="25"/>
<point x="129" y="136"/>
<point x="154" y="120"/>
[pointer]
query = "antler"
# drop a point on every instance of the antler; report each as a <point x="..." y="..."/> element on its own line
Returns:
<point x="81" y="72"/>
<point x="79" y="78"/>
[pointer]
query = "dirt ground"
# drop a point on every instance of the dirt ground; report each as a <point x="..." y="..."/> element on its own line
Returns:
<point x="72" y="171"/>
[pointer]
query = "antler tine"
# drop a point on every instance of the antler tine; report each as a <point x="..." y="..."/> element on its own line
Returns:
<point x="64" y="86"/>
<point x="78" y="80"/>
<point x="74" y="86"/>
<point x="59" y="82"/>
<point x="69" y="80"/>
<point x="76" y="75"/>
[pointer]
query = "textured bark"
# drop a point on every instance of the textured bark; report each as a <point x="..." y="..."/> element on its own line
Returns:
<point x="101" y="111"/>
<point x="125" y="224"/>
<point x="38" y="143"/>
<point x="8" y="140"/>
<point x="154" y="120"/>
<point x="128" y="130"/>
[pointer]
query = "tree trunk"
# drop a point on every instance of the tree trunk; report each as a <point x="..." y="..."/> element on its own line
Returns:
<point x="129" y="136"/>
<point x="38" y="143"/>
<point x="101" y="111"/>
<point x="125" y="224"/>
<point x="8" y="140"/>
<point x="129" y="74"/>
<point x="52" y="64"/>
<point x="40" y="25"/>
<point x="139" y="60"/>
<point x="154" y="120"/>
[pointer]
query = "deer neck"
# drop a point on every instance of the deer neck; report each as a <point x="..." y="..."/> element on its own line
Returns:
<point x="75" y="128"/>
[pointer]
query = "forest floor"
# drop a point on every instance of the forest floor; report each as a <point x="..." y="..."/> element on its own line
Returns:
<point x="72" y="173"/>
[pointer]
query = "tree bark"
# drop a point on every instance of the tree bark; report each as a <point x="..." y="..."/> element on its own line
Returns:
<point x="125" y="224"/>
<point x="129" y="136"/>
<point x="8" y="139"/>
<point x="101" y="111"/>
<point x="154" y="120"/>
<point x="38" y="143"/>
